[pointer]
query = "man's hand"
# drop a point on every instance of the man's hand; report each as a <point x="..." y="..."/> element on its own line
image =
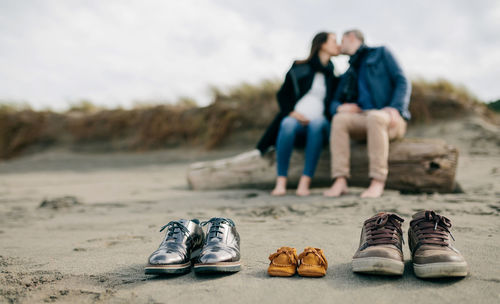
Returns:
<point x="301" y="118"/>
<point x="349" y="108"/>
<point x="394" y="114"/>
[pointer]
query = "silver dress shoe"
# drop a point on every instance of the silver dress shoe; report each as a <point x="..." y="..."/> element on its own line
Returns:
<point x="182" y="243"/>
<point x="221" y="251"/>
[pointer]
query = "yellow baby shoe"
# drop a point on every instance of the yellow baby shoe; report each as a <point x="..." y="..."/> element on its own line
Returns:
<point x="283" y="262"/>
<point x="312" y="263"/>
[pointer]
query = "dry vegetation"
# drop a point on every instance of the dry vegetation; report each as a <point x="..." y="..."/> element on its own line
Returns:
<point x="243" y="111"/>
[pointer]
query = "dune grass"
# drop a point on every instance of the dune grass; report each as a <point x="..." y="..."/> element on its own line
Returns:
<point x="243" y="108"/>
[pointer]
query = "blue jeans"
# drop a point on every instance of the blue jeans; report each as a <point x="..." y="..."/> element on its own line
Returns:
<point x="314" y="134"/>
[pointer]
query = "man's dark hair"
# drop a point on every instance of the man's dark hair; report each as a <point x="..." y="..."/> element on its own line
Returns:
<point x="357" y="33"/>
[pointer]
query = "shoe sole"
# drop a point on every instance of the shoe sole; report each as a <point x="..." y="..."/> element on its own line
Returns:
<point x="379" y="266"/>
<point x="217" y="267"/>
<point x="441" y="270"/>
<point x="160" y="269"/>
<point x="167" y="269"/>
<point x="278" y="273"/>
<point x="311" y="274"/>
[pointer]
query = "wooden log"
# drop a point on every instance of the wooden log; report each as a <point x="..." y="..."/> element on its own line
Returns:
<point x="415" y="165"/>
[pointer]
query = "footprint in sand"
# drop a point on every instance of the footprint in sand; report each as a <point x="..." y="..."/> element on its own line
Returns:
<point x="111" y="241"/>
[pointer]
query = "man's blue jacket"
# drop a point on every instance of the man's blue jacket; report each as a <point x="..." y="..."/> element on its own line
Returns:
<point x="388" y="85"/>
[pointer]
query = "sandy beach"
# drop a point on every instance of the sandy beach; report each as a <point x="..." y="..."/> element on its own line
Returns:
<point x="118" y="119"/>
<point x="92" y="249"/>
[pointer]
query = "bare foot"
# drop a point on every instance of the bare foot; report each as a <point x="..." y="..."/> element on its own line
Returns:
<point x="338" y="188"/>
<point x="280" y="188"/>
<point x="303" y="187"/>
<point x="376" y="189"/>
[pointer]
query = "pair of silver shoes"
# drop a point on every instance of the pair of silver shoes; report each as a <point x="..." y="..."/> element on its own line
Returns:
<point x="186" y="244"/>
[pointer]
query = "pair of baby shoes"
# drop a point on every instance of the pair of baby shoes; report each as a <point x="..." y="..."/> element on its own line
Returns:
<point x="285" y="262"/>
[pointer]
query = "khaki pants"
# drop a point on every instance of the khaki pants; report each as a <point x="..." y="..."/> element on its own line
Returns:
<point x="372" y="125"/>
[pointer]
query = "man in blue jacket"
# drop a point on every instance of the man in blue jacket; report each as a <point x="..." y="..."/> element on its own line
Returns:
<point x="371" y="103"/>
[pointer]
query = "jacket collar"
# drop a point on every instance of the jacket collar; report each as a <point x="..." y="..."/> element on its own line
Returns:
<point x="373" y="56"/>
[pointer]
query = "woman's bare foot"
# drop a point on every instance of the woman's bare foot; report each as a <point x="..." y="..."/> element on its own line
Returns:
<point x="376" y="189"/>
<point x="338" y="188"/>
<point x="280" y="188"/>
<point x="303" y="187"/>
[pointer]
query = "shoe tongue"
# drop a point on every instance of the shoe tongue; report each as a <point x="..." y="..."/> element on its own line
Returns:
<point x="311" y="259"/>
<point x="215" y="232"/>
<point x="379" y="214"/>
<point x="282" y="259"/>
<point x="184" y="222"/>
<point x="175" y="233"/>
<point x="419" y="214"/>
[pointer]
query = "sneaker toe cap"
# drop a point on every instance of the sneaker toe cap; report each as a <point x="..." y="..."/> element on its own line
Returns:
<point x="387" y="252"/>
<point x="437" y="256"/>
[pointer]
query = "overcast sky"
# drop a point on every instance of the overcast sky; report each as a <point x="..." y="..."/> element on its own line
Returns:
<point x="114" y="52"/>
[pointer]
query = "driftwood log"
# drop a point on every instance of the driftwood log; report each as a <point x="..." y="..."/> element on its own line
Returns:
<point x="415" y="165"/>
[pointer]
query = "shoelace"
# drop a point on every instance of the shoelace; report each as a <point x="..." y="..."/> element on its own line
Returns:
<point x="216" y="228"/>
<point x="317" y="252"/>
<point x="432" y="229"/>
<point x="383" y="229"/>
<point x="171" y="232"/>
<point x="289" y="252"/>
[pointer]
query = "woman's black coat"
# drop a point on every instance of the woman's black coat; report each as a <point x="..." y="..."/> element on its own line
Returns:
<point x="297" y="83"/>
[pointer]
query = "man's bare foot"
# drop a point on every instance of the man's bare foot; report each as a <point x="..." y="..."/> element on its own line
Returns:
<point x="338" y="188"/>
<point x="303" y="187"/>
<point x="280" y="188"/>
<point x="376" y="189"/>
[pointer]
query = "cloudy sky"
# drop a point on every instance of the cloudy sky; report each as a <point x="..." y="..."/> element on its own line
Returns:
<point x="114" y="52"/>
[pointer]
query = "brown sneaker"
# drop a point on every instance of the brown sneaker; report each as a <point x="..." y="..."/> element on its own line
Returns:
<point x="283" y="262"/>
<point x="380" y="249"/>
<point x="432" y="254"/>
<point x="313" y="263"/>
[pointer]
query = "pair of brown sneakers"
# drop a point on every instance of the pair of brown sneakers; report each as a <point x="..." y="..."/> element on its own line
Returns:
<point x="310" y="263"/>
<point x="381" y="252"/>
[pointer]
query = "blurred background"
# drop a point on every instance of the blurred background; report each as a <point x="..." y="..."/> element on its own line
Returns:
<point x="106" y="104"/>
<point x="136" y="75"/>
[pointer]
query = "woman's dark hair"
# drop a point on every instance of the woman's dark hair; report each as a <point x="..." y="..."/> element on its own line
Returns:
<point x="316" y="44"/>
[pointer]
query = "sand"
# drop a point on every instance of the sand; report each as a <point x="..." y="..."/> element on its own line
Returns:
<point x="92" y="248"/>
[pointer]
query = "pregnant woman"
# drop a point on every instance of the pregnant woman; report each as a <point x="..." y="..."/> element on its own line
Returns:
<point x="304" y="100"/>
